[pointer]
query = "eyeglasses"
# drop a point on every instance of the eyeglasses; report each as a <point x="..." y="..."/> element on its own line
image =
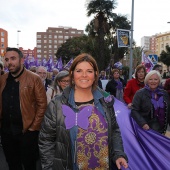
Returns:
<point x="65" y="81"/>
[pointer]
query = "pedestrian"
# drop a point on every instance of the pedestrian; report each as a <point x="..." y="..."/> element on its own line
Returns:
<point x="79" y="130"/>
<point x="134" y="84"/>
<point x="42" y="72"/>
<point x="116" y="85"/>
<point x="22" y="106"/>
<point x="151" y="105"/>
<point x="61" y="81"/>
<point x="167" y="86"/>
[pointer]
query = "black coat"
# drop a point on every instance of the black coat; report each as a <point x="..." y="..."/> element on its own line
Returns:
<point x="111" y="86"/>
<point x="143" y="110"/>
<point x="54" y="139"/>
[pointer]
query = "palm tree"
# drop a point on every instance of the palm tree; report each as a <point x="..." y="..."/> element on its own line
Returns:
<point x="102" y="10"/>
<point x="103" y="28"/>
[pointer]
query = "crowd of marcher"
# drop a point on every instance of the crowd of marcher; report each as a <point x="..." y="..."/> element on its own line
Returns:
<point x="67" y="119"/>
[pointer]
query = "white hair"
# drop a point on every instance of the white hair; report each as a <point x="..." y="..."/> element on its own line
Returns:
<point x="150" y="74"/>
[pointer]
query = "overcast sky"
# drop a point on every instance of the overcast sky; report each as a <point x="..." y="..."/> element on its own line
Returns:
<point x="31" y="16"/>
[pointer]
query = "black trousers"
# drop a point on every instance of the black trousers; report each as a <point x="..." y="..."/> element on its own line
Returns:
<point x="21" y="150"/>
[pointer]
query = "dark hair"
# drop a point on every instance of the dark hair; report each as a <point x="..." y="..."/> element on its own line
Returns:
<point x="139" y="67"/>
<point x="16" y="50"/>
<point x="84" y="57"/>
<point x="156" y="66"/>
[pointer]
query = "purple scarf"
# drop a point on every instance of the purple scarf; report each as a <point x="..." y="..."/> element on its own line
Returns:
<point x="158" y="103"/>
<point x="119" y="84"/>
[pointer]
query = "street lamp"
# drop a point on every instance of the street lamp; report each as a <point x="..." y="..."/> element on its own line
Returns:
<point x="18" y="31"/>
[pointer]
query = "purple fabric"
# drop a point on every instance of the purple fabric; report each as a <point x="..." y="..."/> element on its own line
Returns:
<point x="158" y="103"/>
<point x="146" y="150"/>
<point x="74" y="119"/>
<point x="92" y="144"/>
<point x="119" y="85"/>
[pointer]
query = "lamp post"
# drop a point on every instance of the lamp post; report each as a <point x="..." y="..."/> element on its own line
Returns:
<point x="131" y="42"/>
<point x="18" y="31"/>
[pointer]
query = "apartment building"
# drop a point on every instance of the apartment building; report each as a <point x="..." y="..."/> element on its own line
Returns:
<point x="162" y="40"/>
<point x="29" y="52"/>
<point x="156" y="43"/>
<point x="3" y="41"/>
<point x="145" y="42"/>
<point x="48" y="42"/>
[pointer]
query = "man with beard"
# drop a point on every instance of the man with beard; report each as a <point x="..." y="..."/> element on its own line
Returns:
<point x="22" y="106"/>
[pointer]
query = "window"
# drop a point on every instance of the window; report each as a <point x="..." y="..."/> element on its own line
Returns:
<point x="55" y="36"/>
<point x="60" y="41"/>
<point x="38" y="41"/>
<point x="45" y="41"/>
<point x="73" y="32"/>
<point x="60" y="36"/>
<point x="49" y="51"/>
<point x="45" y="36"/>
<point x="50" y="36"/>
<point x="45" y="46"/>
<point x="167" y="37"/>
<point x="2" y="39"/>
<point x="38" y="36"/>
<point x="79" y="32"/>
<point x="38" y="46"/>
<point x="50" y="41"/>
<point x="39" y="56"/>
<point x="2" y="34"/>
<point x="2" y="45"/>
<point x="55" y="46"/>
<point x="66" y="37"/>
<point x="38" y="51"/>
<point x="50" y="46"/>
<point x="162" y="45"/>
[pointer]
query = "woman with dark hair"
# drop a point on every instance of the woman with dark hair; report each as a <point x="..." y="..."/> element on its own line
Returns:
<point x="134" y="84"/>
<point x="151" y="105"/>
<point x="116" y="85"/>
<point x="79" y="130"/>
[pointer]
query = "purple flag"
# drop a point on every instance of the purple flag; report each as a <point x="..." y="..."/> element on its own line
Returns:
<point x="44" y="62"/>
<point x="50" y="64"/>
<point x="59" y="64"/>
<point x="147" y="62"/>
<point x="145" y="149"/>
<point x="68" y="65"/>
<point x="26" y="62"/>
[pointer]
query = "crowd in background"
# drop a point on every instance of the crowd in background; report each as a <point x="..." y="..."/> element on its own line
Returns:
<point x="145" y="94"/>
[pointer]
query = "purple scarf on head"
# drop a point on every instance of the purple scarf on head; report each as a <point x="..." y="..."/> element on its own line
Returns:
<point x="158" y="103"/>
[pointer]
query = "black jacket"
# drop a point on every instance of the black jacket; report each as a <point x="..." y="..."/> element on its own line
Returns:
<point x="143" y="110"/>
<point x="111" y="86"/>
<point x="55" y="142"/>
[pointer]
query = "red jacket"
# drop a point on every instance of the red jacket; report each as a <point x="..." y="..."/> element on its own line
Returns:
<point x="132" y="86"/>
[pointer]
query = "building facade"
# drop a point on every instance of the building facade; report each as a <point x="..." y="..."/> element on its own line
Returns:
<point x="29" y="52"/>
<point x="162" y="40"/>
<point x="3" y="41"/>
<point x="48" y="42"/>
<point x="145" y="42"/>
